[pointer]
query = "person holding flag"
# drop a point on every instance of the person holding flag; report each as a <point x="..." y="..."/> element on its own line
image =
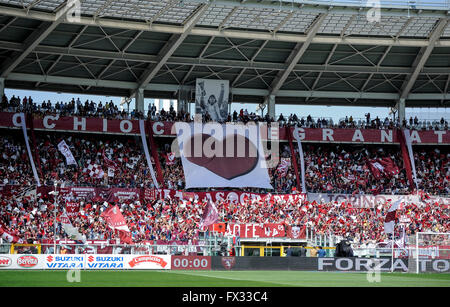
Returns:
<point x="389" y="225"/>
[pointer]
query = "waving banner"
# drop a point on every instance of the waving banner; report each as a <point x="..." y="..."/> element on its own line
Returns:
<point x="65" y="150"/>
<point x="216" y="155"/>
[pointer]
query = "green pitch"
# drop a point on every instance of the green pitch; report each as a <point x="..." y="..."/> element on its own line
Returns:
<point x="217" y="279"/>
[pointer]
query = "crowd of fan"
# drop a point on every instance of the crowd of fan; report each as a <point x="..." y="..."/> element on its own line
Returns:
<point x="14" y="166"/>
<point x="120" y="162"/>
<point x="329" y="169"/>
<point x="344" y="169"/>
<point x="75" y="107"/>
<point x="168" y="220"/>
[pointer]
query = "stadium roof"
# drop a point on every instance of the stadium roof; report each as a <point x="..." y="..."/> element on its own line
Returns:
<point x="302" y="52"/>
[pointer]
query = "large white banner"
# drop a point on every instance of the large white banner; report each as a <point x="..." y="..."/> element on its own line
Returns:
<point x="302" y="158"/>
<point x="211" y="96"/>
<point x="216" y="155"/>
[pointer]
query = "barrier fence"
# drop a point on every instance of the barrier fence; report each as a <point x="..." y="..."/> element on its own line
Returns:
<point x="174" y="262"/>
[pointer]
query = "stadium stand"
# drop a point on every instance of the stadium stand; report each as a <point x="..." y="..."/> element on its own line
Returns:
<point x="339" y="181"/>
<point x="330" y="168"/>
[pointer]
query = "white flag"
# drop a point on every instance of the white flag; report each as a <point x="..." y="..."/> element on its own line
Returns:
<point x="65" y="150"/>
<point x="110" y="172"/>
<point x="71" y="231"/>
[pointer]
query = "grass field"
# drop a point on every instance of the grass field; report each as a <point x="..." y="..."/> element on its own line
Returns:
<point x="22" y="278"/>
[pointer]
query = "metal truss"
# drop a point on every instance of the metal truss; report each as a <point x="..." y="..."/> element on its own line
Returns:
<point x="170" y="47"/>
<point x="236" y="46"/>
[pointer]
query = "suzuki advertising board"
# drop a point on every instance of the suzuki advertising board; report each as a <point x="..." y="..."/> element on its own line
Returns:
<point x="64" y="262"/>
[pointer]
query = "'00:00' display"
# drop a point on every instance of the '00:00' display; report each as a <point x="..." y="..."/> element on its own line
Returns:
<point x="191" y="262"/>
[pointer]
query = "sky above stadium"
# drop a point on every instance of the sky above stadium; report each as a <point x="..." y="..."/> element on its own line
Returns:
<point x="334" y="112"/>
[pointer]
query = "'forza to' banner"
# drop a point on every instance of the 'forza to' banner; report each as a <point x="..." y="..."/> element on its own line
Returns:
<point x="215" y="155"/>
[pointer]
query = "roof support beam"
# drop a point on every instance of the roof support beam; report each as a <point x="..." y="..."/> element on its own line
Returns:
<point x="133" y="57"/>
<point x="422" y="58"/>
<point x="33" y="41"/>
<point x="249" y="34"/>
<point x="170" y="47"/>
<point x="200" y="57"/>
<point x="293" y="58"/>
<point x="237" y="91"/>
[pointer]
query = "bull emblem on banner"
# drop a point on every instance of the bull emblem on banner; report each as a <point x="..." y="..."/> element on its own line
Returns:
<point x="228" y="262"/>
<point x="295" y="231"/>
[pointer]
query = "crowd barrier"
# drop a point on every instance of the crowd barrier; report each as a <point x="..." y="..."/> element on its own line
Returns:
<point x="168" y="262"/>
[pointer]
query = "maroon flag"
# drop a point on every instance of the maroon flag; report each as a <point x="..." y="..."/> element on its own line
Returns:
<point x="376" y="168"/>
<point x="405" y="155"/>
<point x="72" y="209"/>
<point x="391" y="217"/>
<point x="384" y="167"/>
<point x="210" y="216"/>
<point x="390" y="168"/>
<point x="108" y="162"/>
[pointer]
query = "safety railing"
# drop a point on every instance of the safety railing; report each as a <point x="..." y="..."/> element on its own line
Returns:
<point x="135" y="249"/>
<point x="417" y="125"/>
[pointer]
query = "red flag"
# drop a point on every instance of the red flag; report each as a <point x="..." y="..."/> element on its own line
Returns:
<point x="9" y="237"/>
<point x="218" y="227"/>
<point x="125" y="237"/>
<point x="170" y="158"/>
<point x="115" y="219"/>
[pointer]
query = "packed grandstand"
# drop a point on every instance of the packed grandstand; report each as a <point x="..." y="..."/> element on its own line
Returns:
<point x="110" y="169"/>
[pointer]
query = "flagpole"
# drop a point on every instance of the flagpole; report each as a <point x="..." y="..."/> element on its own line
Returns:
<point x="392" y="258"/>
<point x="54" y="226"/>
